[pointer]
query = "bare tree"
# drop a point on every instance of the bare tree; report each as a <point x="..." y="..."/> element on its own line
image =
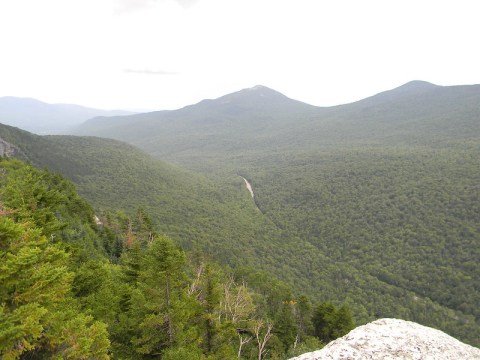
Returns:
<point x="237" y="304"/>
<point x="242" y="341"/>
<point x="194" y="287"/>
<point x="262" y="339"/>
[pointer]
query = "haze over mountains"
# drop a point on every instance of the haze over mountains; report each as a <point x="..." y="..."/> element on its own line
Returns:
<point x="42" y="118"/>
<point x="374" y="203"/>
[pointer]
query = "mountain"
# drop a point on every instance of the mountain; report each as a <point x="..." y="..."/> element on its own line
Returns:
<point x="262" y="120"/>
<point x="393" y="338"/>
<point x="230" y="123"/>
<point x="382" y="192"/>
<point x="42" y="118"/>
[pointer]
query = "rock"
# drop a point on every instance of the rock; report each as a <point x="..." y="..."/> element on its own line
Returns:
<point x="394" y="339"/>
<point x="7" y="149"/>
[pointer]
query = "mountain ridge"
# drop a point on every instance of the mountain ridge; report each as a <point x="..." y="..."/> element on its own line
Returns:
<point x="240" y="121"/>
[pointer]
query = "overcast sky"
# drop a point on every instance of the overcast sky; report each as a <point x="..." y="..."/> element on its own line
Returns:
<point x="165" y="54"/>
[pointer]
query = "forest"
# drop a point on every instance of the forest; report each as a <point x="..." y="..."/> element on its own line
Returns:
<point x="74" y="286"/>
<point x="370" y="207"/>
<point x="383" y="193"/>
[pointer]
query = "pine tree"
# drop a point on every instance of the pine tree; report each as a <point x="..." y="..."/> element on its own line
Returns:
<point x="37" y="314"/>
<point x="285" y="326"/>
<point x="161" y="300"/>
<point x="331" y="323"/>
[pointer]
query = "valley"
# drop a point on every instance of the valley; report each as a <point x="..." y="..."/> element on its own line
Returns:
<point x="373" y="204"/>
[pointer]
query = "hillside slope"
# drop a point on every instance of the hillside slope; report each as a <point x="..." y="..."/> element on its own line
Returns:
<point x="114" y="175"/>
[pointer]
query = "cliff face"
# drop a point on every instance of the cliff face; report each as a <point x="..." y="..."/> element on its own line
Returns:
<point x="394" y="339"/>
<point x="7" y="149"/>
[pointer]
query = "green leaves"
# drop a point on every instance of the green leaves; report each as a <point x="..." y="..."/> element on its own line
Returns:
<point x="331" y="323"/>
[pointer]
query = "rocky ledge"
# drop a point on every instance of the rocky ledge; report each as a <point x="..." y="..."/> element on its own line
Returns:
<point x="394" y="339"/>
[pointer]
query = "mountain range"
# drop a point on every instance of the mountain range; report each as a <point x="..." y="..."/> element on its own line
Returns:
<point x="374" y="204"/>
<point x="261" y="119"/>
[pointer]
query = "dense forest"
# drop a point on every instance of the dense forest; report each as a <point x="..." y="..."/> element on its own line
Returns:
<point x="220" y="219"/>
<point x="382" y="192"/>
<point x="74" y="286"/>
<point x="371" y="206"/>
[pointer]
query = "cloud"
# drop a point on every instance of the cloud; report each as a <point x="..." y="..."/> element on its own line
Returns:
<point x="149" y="72"/>
<point x="127" y="6"/>
<point x="186" y="3"/>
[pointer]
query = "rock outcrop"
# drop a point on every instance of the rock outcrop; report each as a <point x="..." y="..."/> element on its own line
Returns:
<point x="394" y="339"/>
<point x="7" y="149"/>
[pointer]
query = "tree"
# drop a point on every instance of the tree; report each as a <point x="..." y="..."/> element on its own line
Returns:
<point x="263" y="333"/>
<point x="304" y="317"/>
<point x="161" y="300"/>
<point x="331" y="323"/>
<point x="343" y="321"/>
<point x="323" y="319"/>
<point x="37" y="313"/>
<point x="285" y="327"/>
<point x="238" y="309"/>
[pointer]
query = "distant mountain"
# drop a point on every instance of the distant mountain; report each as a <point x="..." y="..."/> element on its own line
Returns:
<point x="42" y="118"/>
<point x="261" y="119"/>
<point x="230" y="122"/>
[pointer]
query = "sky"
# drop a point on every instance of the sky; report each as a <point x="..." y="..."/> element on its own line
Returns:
<point x="166" y="54"/>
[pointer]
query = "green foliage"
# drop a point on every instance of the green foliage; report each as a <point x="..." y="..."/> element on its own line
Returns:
<point x="285" y="326"/>
<point x="376" y="201"/>
<point x="372" y="204"/>
<point x="331" y="323"/>
<point x="37" y="314"/>
<point x="150" y="301"/>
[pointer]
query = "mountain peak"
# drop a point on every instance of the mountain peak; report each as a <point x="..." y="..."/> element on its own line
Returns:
<point x="260" y="90"/>
<point x="258" y="95"/>
<point x="418" y="85"/>
<point x="260" y="87"/>
<point x="406" y="91"/>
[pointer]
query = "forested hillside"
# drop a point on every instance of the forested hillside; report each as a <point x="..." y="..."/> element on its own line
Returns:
<point x="65" y="292"/>
<point x="378" y="200"/>
<point x="187" y="206"/>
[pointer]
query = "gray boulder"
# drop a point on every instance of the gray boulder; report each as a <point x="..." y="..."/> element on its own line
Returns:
<point x="394" y="339"/>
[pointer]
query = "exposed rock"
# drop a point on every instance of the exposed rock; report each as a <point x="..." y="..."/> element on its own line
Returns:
<point x="394" y="339"/>
<point x="7" y="149"/>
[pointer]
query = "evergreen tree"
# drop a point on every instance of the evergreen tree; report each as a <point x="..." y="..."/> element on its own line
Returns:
<point x="330" y="322"/>
<point x="37" y="313"/>
<point x="285" y="327"/>
<point x="304" y="317"/>
<point x="162" y="300"/>
<point x="343" y="321"/>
